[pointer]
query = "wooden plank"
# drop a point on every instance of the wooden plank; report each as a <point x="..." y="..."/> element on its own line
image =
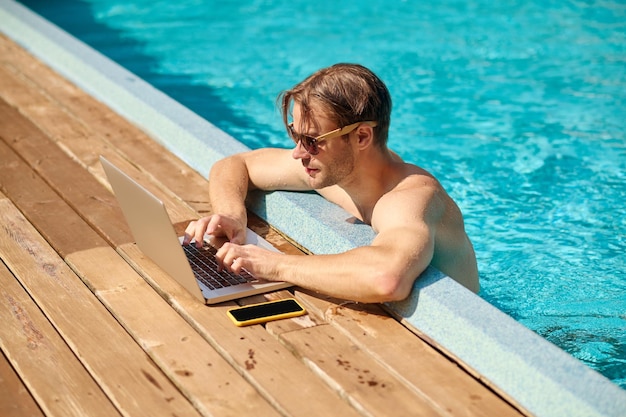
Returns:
<point x="205" y="378"/>
<point x="364" y="382"/>
<point x="15" y="399"/>
<point x="367" y="383"/>
<point x="111" y="128"/>
<point x="63" y="172"/>
<point x="40" y="117"/>
<point x="417" y="363"/>
<point x="85" y="324"/>
<point x="275" y="372"/>
<point x="77" y="186"/>
<point x="58" y="381"/>
<point x="53" y="374"/>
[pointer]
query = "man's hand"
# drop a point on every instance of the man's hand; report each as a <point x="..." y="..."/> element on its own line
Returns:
<point x="216" y="225"/>
<point x="260" y="262"/>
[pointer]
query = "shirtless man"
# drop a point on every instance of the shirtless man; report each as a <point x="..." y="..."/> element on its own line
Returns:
<point x="339" y="120"/>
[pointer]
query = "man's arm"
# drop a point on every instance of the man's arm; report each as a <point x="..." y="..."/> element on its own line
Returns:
<point x="382" y="271"/>
<point x="229" y="182"/>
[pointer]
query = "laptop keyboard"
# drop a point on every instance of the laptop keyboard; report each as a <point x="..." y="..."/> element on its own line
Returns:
<point x="204" y="266"/>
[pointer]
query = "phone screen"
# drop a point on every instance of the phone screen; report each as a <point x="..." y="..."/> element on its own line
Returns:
<point x="271" y="310"/>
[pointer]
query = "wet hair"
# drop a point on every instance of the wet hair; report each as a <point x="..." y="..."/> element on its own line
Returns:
<point x="346" y="93"/>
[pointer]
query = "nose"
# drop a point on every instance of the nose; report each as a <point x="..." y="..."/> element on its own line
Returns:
<point x="299" y="152"/>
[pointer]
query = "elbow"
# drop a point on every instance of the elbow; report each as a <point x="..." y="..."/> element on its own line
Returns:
<point x="391" y="287"/>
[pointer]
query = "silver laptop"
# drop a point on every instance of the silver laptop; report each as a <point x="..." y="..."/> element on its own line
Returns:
<point x="195" y="269"/>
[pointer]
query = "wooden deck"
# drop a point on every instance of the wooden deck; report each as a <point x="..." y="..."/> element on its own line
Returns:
<point x="90" y="327"/>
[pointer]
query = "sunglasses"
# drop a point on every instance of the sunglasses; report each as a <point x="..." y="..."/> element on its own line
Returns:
<point x="311" y="144"/>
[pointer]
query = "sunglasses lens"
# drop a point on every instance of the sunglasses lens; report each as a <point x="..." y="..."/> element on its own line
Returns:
<point x="308" y="143"/>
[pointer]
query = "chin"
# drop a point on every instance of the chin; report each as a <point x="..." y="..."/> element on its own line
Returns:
<point x="317" y="184"/>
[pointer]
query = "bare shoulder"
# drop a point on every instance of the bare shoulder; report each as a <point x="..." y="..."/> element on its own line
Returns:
<point x="416" y="197"/>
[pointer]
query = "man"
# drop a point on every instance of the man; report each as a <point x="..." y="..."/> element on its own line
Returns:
<point x="339" y="122"/>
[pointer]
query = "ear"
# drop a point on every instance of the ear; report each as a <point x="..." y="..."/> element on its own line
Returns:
<point x="365" y="136"/>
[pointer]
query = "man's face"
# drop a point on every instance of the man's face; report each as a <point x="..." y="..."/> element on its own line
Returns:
<point x="335" y="159"/>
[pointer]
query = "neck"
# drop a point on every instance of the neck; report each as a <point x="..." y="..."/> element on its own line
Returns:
<point x="375" y="174"/>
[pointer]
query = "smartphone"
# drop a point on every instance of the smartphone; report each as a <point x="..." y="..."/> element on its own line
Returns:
<point x="267" y="311"/>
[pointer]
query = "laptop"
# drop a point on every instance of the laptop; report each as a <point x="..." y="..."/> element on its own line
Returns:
<point x="195" y="269"/>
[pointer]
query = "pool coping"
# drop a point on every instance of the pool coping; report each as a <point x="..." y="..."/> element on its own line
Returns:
<point x="540" y="377"/>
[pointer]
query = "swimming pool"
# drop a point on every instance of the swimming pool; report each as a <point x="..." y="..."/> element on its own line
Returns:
<point x="517" y="109"/>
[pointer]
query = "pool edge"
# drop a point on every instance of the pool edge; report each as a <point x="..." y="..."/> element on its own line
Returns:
<point x="539" y="376"/>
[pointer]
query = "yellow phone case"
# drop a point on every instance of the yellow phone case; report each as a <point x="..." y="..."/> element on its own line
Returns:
<point x="267" y="316"/>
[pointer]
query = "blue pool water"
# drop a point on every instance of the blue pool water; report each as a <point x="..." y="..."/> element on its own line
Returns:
<point x="518" y="108"/>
